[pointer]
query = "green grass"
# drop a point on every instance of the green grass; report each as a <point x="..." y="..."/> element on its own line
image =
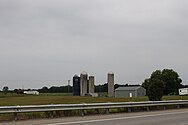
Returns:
<point x="175" y="97"/>
<point x="61" y="98"/>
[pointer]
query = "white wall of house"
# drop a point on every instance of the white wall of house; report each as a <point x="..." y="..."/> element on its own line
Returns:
<point x="31" y="92"/>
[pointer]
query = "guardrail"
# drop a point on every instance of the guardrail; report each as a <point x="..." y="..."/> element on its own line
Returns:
<point x="86" y="106"/>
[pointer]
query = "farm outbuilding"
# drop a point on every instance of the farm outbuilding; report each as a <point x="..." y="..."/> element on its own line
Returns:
<point x="31" y="92"/>
<point x="130" y="91"/>
<point x="183" y="91"/>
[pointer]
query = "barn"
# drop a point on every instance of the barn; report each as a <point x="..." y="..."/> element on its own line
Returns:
<point x="130" y="91"/>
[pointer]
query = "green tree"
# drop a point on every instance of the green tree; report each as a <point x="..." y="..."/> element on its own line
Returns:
<point x="172" y="82"/>
<point x="156" y="74"/>
<point x="155" y="90"/>
<point x="146" y="84"/>
<point x="170" y="79"/>
<point x="44" y="90"/>
<point x="5" y="89"/>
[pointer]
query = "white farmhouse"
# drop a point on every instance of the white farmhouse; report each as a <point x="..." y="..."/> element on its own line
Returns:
<point x="31" y="92"/>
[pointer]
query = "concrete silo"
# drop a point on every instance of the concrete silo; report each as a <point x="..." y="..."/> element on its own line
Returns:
<point x="110" y="81"/>
<point x="76" y="85"/>
<point x="83" y="83"/>
<point x="91" y="84"/>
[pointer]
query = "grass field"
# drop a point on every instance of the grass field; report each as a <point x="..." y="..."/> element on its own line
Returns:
<point x="60" y="98"/>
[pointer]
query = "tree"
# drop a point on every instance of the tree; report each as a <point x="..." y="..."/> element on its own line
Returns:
<point x="155" y="75"/>
<point x="5" y="89"/>
<point x="170" y="79"/>
<point x="146" y="84"/>
<point x="101" y="88"/>
<point x="55" y="89"/>
<point x="172" y="82"/>
<point x="155" y="89"/>
<point x="44" y="90"/>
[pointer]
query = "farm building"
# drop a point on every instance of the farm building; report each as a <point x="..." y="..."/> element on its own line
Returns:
<point x="31" y="92"/>
<point x="183" y="91"/>
<point x="130" y="91"/>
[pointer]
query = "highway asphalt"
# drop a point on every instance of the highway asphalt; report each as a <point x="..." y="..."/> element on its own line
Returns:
<point x="167" y="117"/>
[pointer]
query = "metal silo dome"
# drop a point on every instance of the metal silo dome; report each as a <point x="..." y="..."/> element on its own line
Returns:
<point x="110" y="72"/>
<point x="75" y="76"/>
<point x="83" y="73"/>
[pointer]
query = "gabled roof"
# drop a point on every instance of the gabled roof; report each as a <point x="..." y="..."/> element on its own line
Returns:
<point x="132" y="88"/>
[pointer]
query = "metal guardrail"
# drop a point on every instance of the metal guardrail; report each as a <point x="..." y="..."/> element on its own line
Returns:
<point x="85" y="106"/>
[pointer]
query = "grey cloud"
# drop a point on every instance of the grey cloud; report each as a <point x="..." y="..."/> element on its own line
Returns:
<point x="45" y="39"/>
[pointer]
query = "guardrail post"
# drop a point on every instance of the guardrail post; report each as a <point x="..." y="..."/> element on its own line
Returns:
<point x="147" y="108"/>
<point x="82" y="112"/>
<point x="129" y="109"/>
<point x="107" y="111"/>
<point x="51" y="114"/>
<point x="164" y="107"/>
<point x="97" y="110"/>
<point x="178" y="106"/>
<point x="15" y="116"/>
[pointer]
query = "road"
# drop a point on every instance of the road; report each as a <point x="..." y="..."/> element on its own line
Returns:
<point x="168" y="117"/>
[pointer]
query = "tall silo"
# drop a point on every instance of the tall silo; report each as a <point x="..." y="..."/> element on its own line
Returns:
<point x="76" y="85"/>
<point x="91" y="84"/>
<point x="83" y="83"/>
<point x="110" y="81"/>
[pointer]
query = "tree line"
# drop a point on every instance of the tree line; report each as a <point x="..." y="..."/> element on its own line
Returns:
<point x="68" y="89"/>
<point x="65" y="89"/>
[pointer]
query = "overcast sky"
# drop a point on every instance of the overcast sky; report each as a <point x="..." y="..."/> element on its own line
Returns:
<point x="46" y="42"/>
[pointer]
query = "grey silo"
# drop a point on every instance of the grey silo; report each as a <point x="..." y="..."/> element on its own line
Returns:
<point x="110" y="81"/>
<point x="91" y="84"/>
<point x="83" y="83"/>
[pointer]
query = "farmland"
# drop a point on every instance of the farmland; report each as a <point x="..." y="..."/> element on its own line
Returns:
<point x="61" y="98"/>
<point x="12" y="99"/>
